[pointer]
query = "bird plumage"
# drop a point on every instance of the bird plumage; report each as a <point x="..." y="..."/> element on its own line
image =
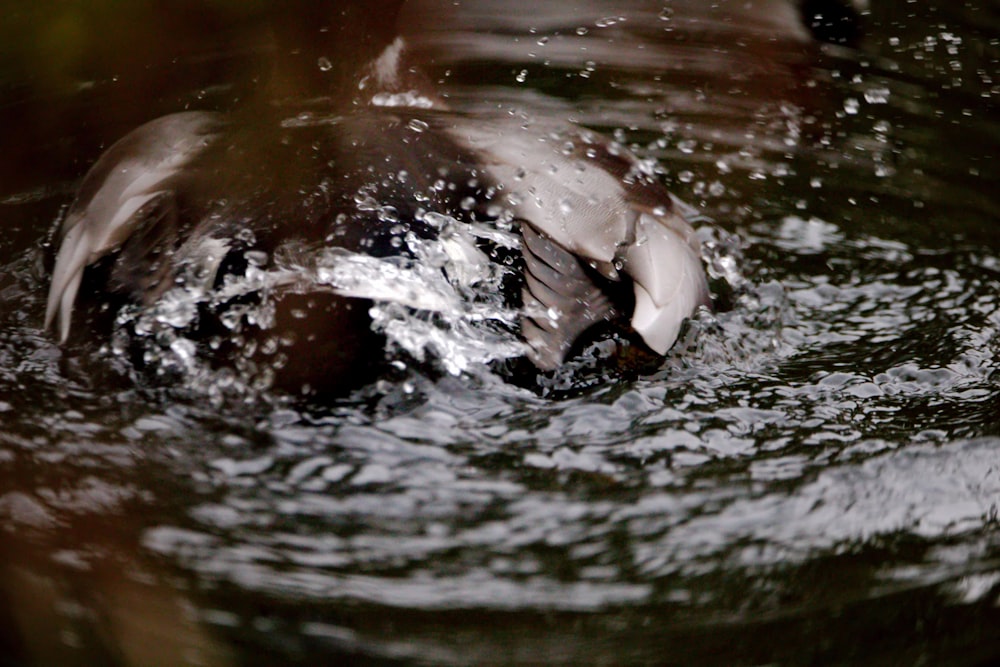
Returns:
<point x="591" y="217"/>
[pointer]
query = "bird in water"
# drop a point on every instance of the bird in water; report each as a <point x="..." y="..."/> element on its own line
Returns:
<point x="357" y="156"/>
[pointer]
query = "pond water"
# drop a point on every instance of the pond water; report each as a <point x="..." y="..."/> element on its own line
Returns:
<point x="811" y="477"/>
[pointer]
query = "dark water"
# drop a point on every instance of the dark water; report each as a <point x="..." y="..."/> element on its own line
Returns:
<point x="812" y="477"/>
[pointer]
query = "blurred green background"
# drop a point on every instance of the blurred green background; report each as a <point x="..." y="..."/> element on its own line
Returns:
<point x="75" y="73"/>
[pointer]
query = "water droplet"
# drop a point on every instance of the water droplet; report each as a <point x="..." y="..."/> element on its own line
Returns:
<point x="609" y="21"/>
<point x="687" y="146"/>
<point x="388" y="214"/>
<point x="882" y="127"/>
<point x="883" y="170"/>
<point x="324" y="64"/>
<point x="877" y="95"/>
<point x="255" y="258"/>
<point x="246" y="236"/>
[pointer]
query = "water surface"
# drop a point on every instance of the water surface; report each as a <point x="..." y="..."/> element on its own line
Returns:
<point x="811" y="477"/>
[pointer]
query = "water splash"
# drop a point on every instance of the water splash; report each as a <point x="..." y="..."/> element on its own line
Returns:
<point x="442" y="301"/>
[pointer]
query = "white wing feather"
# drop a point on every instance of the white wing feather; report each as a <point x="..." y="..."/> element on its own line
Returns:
<point x="128" y="175"/>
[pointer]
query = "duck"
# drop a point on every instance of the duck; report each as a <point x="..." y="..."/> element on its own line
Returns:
<point x="358" y="158"/>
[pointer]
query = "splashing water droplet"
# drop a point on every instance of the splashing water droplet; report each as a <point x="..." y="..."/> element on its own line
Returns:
<point x="417" y="125"/>
<point x="609" y="21"/>
<point x="877" y="95"/>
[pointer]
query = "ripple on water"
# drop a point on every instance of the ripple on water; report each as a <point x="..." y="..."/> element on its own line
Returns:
<point x="818" y="455"/>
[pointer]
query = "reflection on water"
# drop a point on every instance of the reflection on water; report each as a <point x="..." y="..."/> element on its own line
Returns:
<point x="812" y="476"/>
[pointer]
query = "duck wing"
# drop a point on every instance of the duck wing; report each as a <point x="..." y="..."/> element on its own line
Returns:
<point x="560" y="299"/>
<point x="588" y="209"/>
<point x="127" y="189"/>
